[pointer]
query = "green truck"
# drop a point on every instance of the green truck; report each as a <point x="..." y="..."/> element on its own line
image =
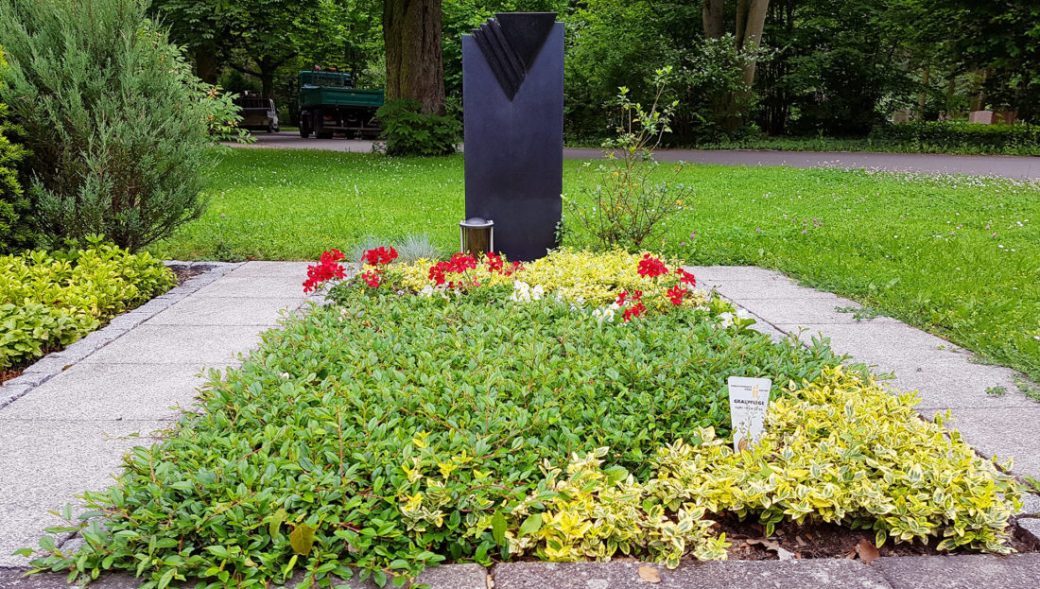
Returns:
<point x="330" y="104"/>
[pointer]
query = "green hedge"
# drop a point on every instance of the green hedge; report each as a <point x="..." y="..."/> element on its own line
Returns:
<point x="49" y="300"/>
<point x="960" y="135"/>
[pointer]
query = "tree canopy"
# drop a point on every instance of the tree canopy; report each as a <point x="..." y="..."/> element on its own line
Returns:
<point x="835" y="67"/>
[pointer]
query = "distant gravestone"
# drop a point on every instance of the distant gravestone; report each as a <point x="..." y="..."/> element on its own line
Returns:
<point x="512" y="86"/>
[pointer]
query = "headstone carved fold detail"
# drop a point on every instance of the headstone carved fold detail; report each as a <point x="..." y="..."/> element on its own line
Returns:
<point x="513" y="117"/>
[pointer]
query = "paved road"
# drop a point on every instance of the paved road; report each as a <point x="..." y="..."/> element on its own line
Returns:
<point x="1021" y="167"/>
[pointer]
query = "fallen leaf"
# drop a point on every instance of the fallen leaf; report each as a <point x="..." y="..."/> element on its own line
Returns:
<point x="867" y="552"/>
<point x="768" y="544"/>
<point x="490" y="582"/>
<point x="649" y="574"/>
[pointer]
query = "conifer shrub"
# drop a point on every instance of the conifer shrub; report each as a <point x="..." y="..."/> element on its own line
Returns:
<point x="116" y="124"/>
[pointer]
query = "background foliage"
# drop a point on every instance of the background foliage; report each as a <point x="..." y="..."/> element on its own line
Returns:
<point x="116" y="124"/>
<point x="832" y="67"/>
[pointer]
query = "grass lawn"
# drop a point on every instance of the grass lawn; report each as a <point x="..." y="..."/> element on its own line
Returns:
<point x="957" y="256"/>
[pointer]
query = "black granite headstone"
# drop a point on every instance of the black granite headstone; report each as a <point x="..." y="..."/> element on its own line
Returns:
<point x="512" y="86"/>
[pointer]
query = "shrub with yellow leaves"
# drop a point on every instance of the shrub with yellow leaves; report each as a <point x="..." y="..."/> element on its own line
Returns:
<point x="843" y="450"/>
<point x="595" y="513"/>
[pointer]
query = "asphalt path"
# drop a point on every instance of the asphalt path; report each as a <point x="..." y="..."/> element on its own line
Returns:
<point x="1019" y="167"/>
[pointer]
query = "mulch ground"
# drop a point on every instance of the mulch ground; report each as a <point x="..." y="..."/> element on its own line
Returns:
<point x="793" y="541"/>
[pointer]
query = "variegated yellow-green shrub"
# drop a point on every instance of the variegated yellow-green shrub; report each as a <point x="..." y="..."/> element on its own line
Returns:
<point x="839" y="450"/>
<point x="843" y="450"/>
<point x="596" y="513"/>
<point x="594" y="278"/>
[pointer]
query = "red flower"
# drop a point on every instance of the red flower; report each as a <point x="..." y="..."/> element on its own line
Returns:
<point x="634" y="311"/>
<point x="621" y="298"/>
<point x="326" y="269"/>
<point x="651" y="267"/>
<point x="685" y="277"/>
<point x="379" y="256"/>
<point x="371" y="278"/>
<point x="458" y="264"/>
<point x="637" y="295"/>
<point x="494" y="262"/>
<point x="514" y="268"/>
<point x="676" y="294"/>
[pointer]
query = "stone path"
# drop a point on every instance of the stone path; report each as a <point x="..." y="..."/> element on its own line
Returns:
<point x="68" y="434"/>
<point x="1021" y="167"/>
<point x="65" y="425"/>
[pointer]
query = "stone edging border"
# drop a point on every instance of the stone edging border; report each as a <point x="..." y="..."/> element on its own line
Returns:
<point x="913" y="572"/>
<point x="55" y="363"/>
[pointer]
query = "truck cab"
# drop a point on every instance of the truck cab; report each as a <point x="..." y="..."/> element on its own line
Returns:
<point x="330" y="105"/>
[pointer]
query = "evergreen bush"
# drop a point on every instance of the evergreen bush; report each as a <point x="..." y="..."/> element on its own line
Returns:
<point x="13" y="203"/>
<point x="115" y="122"/>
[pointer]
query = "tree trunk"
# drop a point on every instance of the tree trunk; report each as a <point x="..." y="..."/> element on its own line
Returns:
<point x="207" y="64"/>
<point x="922" y="96"/>
<point x="713" y="14"/>
<point x="414" y="64"/>
<point x="742" y="9"/>
<point x="752" y="38"/>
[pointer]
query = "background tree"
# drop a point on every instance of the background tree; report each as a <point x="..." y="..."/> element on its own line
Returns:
<point x="414" y="58"/>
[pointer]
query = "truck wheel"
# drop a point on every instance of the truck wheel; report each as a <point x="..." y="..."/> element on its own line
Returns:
<point x="305" y="125"/>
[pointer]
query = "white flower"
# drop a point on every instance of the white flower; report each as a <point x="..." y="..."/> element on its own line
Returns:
<point x="728" y="319"/>
<point x="427" y="291"/>
<point x="523" y="293"/>
<point x="604" y="314"/>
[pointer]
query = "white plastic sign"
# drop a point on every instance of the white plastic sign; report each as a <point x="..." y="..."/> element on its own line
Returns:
<point x="748" y="402"/>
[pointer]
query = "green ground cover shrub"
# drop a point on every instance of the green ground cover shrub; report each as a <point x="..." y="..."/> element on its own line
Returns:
<point x="49" y="300"/>
<point x="412" y="422"/>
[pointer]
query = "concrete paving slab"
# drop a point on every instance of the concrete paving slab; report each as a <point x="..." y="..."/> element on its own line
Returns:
<point x="49" y="463"/>
<point x="811" y="311"/>
<point x="252" y="287"/>
<point x="730" y="273"/>
<point x="1005" y="433"/>
<point x="883" y="344"/>
<point x="111" y="392"/>
<point x="958" y="384"/>
<point x="776" y="287"/>
<point x="295" y="270"/>
<point x="455" y="576"/>
<point x="8" y="393"/>
<point x="16" y="579"/>
<point x="226" y="311"/>
<point x="1031" y="505"/>
<point x="1017" y="571"/>
<point x="21" y="526"/>
<point x="624" y="574"/>
<point x="180" y="344"/>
